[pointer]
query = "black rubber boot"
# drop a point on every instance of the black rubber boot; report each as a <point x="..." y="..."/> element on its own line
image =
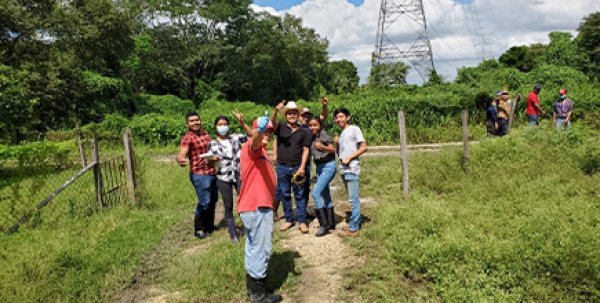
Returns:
<point x="231" y="228"/>
<point x="324" y="224"/>
<point x="330" y="218"/>
<point x="199" y="227"/>
<point x="257" y="292"/>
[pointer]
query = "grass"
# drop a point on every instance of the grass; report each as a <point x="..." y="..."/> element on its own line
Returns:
<point x="125" y="252"/>
<point x="518" y="223"/>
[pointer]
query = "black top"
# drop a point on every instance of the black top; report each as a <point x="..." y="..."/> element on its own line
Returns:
<point x="290" y="144"/>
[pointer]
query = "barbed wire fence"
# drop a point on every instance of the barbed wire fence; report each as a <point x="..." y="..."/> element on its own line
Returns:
<point x="51" y="190"/>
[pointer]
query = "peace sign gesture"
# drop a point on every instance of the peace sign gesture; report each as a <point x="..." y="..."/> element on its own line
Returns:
<point x="239" y="116"/>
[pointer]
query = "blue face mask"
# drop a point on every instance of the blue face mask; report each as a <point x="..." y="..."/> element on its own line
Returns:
<point x="222" y="130"/>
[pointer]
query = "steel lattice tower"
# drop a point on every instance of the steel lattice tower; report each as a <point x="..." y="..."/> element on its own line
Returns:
<point x="419" y="53"/>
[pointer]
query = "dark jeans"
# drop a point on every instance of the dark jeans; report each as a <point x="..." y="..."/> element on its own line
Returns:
<point x="491" y="128"/>
<point x="206" y="190"/>
<point x="226" y="190"/>
<point x="502" y="127"/>
<point x="284" y="179"/>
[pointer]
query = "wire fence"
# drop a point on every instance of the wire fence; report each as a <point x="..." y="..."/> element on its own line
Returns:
<point x="50" y="192"/>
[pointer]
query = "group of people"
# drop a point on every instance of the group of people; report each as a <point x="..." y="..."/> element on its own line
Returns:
<point x="241" y="161"/>
<point x="499" y="110"/>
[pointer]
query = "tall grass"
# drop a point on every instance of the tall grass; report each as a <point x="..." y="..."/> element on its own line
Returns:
<point x="519" y="222"/>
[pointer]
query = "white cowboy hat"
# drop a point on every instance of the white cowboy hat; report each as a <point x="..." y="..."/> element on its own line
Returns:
<point x="291" y="105"/>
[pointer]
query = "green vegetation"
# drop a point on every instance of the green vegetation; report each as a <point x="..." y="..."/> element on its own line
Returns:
<point x="71" y="253"/>
<point x="518" y="223"/>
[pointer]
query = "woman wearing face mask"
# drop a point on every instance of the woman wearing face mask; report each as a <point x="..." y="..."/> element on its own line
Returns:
<point x="227" y="147"/>
<point x="322" y="152"/>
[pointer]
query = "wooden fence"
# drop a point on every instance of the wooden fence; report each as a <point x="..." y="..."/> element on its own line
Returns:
<point x="114" y="179"/>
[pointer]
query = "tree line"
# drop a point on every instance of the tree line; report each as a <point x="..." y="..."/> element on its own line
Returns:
<point x="68" y="62"/>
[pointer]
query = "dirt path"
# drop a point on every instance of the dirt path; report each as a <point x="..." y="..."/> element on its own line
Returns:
<point x="326" y="258"/>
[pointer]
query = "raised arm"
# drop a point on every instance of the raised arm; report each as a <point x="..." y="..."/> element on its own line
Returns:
<point x="259" y="133"/>
<point x="278" y="107"/>
<point x="240" y="118"/>
<point x="325" y="110"/>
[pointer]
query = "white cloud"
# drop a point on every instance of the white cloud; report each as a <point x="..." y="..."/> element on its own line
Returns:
<point x="351" y="30"/>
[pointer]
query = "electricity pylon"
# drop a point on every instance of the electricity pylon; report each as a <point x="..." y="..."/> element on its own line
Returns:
<point x="418" y="53"/>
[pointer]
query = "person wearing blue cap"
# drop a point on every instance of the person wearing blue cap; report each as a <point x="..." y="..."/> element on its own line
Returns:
<point x="563" y="108"/>
<point x="533" y="106"/>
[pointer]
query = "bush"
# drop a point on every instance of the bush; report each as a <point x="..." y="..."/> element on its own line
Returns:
<point x="167" y="105"/>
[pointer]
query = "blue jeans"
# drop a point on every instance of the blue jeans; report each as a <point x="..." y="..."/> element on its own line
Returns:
<point x="351" y="183"/>
<point x="284" y="178"/>
<point x="206" y="190"/>
<point x="258" y="227"/>
<point x="560" y="123"/>
<point x="533" y="119"/>
<point x="325" y="173"/>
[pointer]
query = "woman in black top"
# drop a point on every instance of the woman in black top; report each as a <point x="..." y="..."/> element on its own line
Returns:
<point x="322" y="152"/>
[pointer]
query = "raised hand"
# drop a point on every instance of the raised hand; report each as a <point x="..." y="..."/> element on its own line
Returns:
<point x="324" y="100"/>
<point x="280" y="106"/>
<point x="263" y="122"/>
<point x="239" y="116"/>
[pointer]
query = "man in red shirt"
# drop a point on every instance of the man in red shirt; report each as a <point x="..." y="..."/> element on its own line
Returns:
<point x="533" y="106"/>
<point x="255" y="207"/>
<point x="202" y="174"/>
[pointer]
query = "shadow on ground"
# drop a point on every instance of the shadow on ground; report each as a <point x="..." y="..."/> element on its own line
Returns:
<point x="282" y="266"/>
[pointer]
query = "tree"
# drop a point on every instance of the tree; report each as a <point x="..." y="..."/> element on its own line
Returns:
<point x="388" y="74"/>
<point x="434" y="79"/>
<point x="342" y="77"/>
<point x="516" y="57"/>
<point x="562" y="51"/>
<point x="588" y="42"/>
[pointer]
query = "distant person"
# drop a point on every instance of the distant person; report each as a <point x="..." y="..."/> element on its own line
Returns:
<point x="533" y="106"/>
<point x="293" y="144"/>
<point x="255" y="207"/>
<point x="563" y="108"/>
<point x="503" y="113"/>
<point x="202" y="174"/>
<point x="492" y="118"/>
<point x="323" y="154"/>
<point x="350" y="145"/>
<point x="226" y="147"/>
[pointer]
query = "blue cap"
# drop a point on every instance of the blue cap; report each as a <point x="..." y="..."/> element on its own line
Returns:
<point x="498" y="93"/>
<point x="537" y="87"/>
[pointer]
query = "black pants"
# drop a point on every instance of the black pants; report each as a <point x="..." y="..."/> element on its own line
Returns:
<point x="502" y="127"/>
<point x="226" y="190"/>
<point x="491" y="128"/>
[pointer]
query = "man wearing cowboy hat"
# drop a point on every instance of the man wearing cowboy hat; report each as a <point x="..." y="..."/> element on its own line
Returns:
<point x="293" y="144"/>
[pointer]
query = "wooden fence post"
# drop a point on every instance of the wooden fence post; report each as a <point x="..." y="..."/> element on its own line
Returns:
<point x="81" y="151"/>
<point x="97" y="172"/>
<point x="513" y="108"/>
<point x="130" y="164"/>
<point x="403" y="148"/>
<point x="465" y="131"/>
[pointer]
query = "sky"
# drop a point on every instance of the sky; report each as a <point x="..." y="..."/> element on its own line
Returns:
<point x="350" y="26"/>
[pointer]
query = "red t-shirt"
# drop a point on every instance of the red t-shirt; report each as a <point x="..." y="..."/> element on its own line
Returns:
<point x="258" y="179"/>
<point x="531" y="109"/>
<point x="198" y="144"/>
